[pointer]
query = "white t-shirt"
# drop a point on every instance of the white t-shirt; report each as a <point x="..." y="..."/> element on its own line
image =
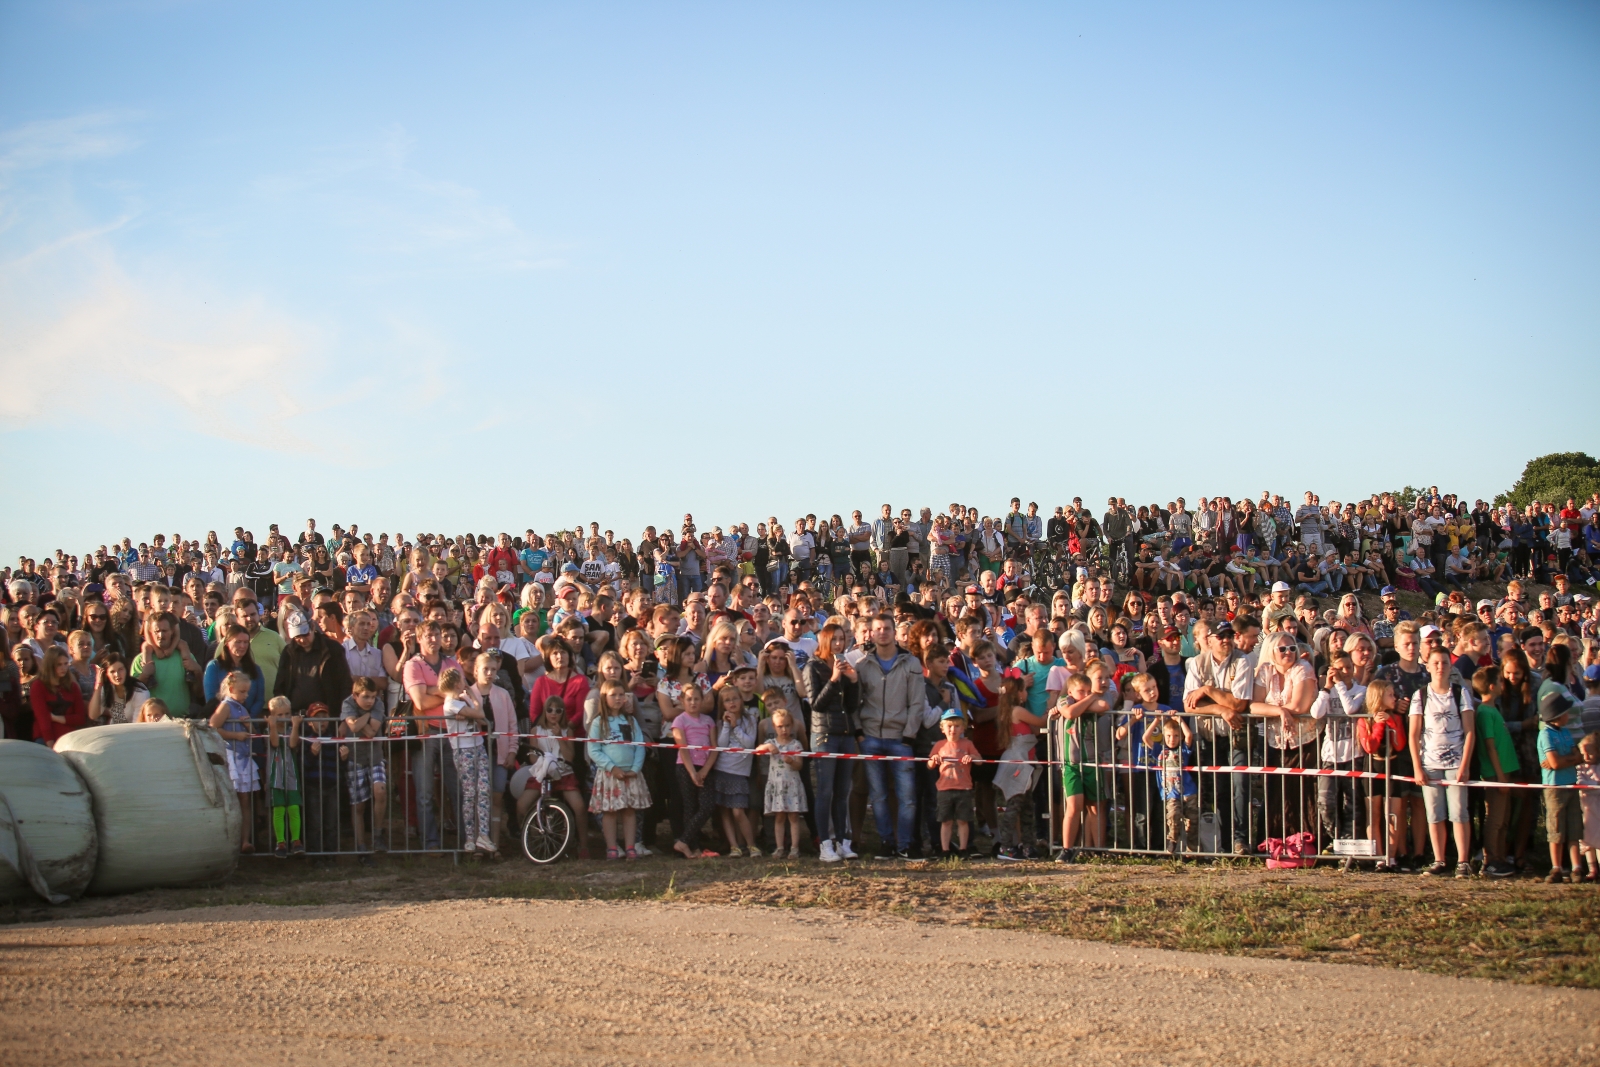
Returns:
<point x="800" y="545"/>
<point x="1443" y="736"/>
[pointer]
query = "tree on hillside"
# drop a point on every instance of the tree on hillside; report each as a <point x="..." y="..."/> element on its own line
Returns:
<point x="1555" y="478"/>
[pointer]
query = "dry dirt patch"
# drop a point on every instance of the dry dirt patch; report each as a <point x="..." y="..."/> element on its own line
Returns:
<point x="663" y="982"/>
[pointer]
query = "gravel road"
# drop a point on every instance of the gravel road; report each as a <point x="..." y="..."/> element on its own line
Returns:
<point x="533" y="982"/>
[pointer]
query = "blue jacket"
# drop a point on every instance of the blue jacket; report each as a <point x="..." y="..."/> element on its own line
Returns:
<point x="616" y="757"/>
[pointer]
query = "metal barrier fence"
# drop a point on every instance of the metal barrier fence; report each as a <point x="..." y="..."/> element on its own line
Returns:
<point x="334" y="795"/>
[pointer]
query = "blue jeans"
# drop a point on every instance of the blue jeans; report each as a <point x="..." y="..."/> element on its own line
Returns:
<point x="833" y="790"/>
<point x="905" y="790"/>
<point x="432" y="753"/>
<point x="1319" y="588"/>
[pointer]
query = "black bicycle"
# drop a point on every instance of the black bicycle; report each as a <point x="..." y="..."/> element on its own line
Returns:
<point x="548" y="829"/>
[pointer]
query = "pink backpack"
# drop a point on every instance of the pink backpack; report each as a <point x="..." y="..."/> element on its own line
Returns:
<point x="1292" y="852"/>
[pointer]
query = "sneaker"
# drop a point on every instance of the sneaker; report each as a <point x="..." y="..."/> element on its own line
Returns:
<point x="884" y="852"/>
<point x="735" y="852"/>
<point x="1435" y="869"/>
<point x="1463" y="870"/>
<point x="903" y="854"/>
<point x="1010" y="855"/>
<point x="1241" y="849"/>
<point x="753" y="852"/>
<point x="1503" y="869"/>
<point x="829" y="853"/>
<point x="484" y="844"/>
<point x="1067" y="855"/>
<point x="640" y="850"/>
<point x="845" y="853"/>
<point x="282" y="851"/>
<point x="1555" y="877"/>
<point x="794" y="852"/>
<point x="297" y="848"/>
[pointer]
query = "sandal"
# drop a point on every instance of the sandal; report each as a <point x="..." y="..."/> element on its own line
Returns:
<point x="631" y="854"/>
<point x="613" y="854"/>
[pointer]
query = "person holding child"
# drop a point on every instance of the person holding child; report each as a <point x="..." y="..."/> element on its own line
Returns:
<point x="464" y="721"/>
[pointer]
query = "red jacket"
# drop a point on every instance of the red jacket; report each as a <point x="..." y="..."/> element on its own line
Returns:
<point x="66" y="703"/>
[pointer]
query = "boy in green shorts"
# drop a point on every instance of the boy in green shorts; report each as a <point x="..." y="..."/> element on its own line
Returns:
<point x="1081" y="709"/>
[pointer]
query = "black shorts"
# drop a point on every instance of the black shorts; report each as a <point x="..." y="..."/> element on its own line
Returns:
<point x="955" y="805"/>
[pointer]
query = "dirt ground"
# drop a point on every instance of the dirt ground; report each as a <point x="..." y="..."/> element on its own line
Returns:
<point x="614" y="982"/>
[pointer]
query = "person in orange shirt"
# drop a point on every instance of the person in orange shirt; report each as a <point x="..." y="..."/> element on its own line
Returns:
<point x="952" y="758"/>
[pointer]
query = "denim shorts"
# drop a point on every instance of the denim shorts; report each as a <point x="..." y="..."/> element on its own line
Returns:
<point x="1444" y="803"/>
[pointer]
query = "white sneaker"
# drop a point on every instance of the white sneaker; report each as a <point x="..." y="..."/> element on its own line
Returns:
<point x="845" y="853"/>
<point x="640" y="850"/>
<point x="829" y="855"/>
<point x="484" y="844"/>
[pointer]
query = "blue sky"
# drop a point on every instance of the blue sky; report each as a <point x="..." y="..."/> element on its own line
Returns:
<point x="499" y="266"/>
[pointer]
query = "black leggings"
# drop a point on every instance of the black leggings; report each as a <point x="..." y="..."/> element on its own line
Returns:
<point x="698" y="804"/>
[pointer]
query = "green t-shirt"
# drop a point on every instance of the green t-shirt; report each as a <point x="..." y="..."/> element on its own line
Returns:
<point x="1492" y="730"/>
<point x="170" y="686"/>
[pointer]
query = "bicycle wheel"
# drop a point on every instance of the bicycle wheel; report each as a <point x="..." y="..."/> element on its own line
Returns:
<point x="547" y="832"/>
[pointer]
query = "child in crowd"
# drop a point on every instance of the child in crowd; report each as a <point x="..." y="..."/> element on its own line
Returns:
<point x="1497" y="762"/>
<point x="952" y="758"/>
<point x="464" y="721"/>
<point x="1589" y="774"/>
<point x="283" y="775"/>
<point x="1558" y="766"/>
<point x="1383" y="735"/>
<point x="1081" y="710"/>
<point x="693" y="734"/>
<point x="368" y="778"/>
<point x="153" y="710"/>
<point x="785" y="794"/>
<point x="619" y="786"/>
<point x="1179" y="793"/>
<point x="549" y="742"/>
<point x="1136" y="745"/>
<point x="736" y="728"/>
<point x="231" y="720"/>
<point x="1014" y="782"/>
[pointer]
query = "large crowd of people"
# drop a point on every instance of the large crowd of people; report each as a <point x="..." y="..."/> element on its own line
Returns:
<point x="1031" y="683"/>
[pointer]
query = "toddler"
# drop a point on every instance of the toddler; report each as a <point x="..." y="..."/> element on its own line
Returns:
<point x="1589" y="774"/>
<point x="283" y="776"/>
<point x="368" y="777"/>
<point x="952" y="758"/>
<point x="1180" y="795"/>
<point x="785" y="793"/>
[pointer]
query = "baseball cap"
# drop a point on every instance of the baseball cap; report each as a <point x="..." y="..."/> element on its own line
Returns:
<point x="1223" y="628"/>
<point x="972" y="590"/>
<point x="1170" y="633"/>
<point x="742" y="668"/>
<point x="1280" y="587"/>
<point x="952" y="716"/>
<point x="298" y="625"/>
<point x="1480" y="605"/>
<point x="1387" y="590"/>
<point x="1427" y="632"/>
<point x="569" y="568"/>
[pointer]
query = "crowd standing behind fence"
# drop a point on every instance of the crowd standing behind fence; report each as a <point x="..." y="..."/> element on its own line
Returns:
<point x="1159" y="680"/>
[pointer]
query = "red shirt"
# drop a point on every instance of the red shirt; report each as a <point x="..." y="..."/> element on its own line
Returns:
<point x="66" y="702"/>
<point x="572" y="693"/>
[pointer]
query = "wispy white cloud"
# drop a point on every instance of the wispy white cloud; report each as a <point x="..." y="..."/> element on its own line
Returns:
<point x="392" y="208"/>
<point x="65" y="140"/>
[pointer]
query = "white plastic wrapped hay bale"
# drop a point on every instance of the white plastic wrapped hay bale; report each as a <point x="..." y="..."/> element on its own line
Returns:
<point x="47" y="831"/>
<point x="164" y="806"/>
